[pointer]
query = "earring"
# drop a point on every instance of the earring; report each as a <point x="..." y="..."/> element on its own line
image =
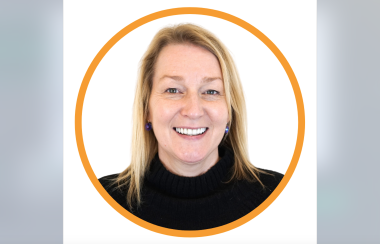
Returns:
<point x="148" y="126"/>
<point x="227" y="129"/>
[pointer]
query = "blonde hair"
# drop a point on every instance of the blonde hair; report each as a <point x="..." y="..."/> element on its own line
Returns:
<point x="144" y="143"/>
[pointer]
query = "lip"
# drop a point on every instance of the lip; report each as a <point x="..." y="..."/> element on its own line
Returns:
<point x="197" y="137"/>
<point x="186" y="127"/>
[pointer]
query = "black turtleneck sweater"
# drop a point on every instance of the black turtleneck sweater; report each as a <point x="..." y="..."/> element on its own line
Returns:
<point x="195" y="203"/>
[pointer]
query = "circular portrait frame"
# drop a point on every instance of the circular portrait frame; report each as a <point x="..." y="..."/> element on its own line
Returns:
<point x="182" y="11"/>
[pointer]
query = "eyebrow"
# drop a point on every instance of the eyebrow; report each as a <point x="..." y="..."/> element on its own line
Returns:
<point x="180" y="78"/>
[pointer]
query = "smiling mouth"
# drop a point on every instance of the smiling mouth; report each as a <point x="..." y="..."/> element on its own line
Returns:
<point x="190" y="132"/>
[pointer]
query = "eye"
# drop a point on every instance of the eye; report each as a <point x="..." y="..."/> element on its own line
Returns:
<point x="212" y="92"/>
<point x="172" y="90"/>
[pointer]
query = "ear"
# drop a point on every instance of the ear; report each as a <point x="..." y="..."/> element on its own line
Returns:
<point x="148" y="117"/>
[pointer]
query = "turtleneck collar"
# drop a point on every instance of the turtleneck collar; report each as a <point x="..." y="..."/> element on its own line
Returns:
<point x="191" y="187"/>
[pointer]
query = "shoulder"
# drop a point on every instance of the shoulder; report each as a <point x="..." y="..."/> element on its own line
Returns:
<point x="250" y="194"/>
<point x="270" y="178"/>
<point x="117" y="193"/>
<point x="253" y="193"/>
<point x="107" y="181"/>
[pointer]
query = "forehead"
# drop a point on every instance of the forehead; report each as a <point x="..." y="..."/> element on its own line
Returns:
<point x="186" y="59"/>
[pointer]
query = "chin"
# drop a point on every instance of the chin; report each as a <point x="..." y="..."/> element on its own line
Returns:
<point x="192" y="157"/>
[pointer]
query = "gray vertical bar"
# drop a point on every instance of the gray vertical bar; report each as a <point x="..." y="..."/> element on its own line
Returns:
<point x="31" y="117"/>
<point x="348" y="121"/>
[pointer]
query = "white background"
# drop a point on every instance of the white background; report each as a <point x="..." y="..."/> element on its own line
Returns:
<point x="272" y="121"/>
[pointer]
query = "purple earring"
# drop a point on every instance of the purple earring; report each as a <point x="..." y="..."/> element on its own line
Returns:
<point x="148" y="126"/>
<point x="227" y="129"/>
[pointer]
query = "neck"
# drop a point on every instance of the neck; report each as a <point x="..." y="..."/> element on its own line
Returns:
<point x="188" y="169"/>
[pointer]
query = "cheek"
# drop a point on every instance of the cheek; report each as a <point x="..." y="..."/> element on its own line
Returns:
<point x="219" y="114"/>
<point x="162" y="112"/>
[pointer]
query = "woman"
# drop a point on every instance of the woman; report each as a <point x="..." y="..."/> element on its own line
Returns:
<point x="189" y="168"/>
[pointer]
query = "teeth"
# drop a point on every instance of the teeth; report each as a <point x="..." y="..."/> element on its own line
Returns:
<point x="190" y="132"/>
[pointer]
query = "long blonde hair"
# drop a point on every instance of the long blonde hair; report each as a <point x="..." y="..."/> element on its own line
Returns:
<point x="144" y="143"/>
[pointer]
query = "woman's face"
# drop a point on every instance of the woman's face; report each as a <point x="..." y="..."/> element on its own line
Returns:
<point x="187" y="108"/>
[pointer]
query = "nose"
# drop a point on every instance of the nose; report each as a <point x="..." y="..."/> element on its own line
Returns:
<point x="192" y="106"/>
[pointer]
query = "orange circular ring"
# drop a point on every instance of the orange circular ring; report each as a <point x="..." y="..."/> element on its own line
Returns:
<point x="180" y="11"/>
